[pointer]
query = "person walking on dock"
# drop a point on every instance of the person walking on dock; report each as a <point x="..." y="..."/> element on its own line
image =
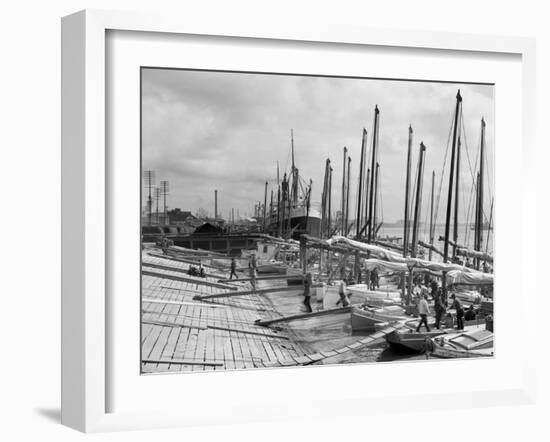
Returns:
<point x="233" y="269"/>
<point x="439" y="308"/>
<point x="307" y="291"/>
<point x="165" y="244"/>
<point x="252" y="264"/>
<point x="253" y="277"/>
<point x="344" y="300"/>
<point x="459" y="312"/>
<point x="423" y="310"/>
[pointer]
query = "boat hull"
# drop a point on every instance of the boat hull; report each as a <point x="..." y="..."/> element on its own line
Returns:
<point x="412" y="340"/>
<point x="361" y="291"/>
<point x="475" y="342"/>
<point x="368" y="320"/>
<point x="301" y="222"/>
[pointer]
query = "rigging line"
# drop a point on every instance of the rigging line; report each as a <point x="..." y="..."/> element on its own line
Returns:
<point x="426" y="220"/>
<point x="462" y="186"/>
<point x="489" y="227"/>
<point x="380" y="194"/>
<point x="443" y="171"/>
<point x="411" y="208"/>
<point x="472" y="173"/>
<point x="468" y="217"/>
<point x="488" y="177"/>
<point x="474" y="190"/>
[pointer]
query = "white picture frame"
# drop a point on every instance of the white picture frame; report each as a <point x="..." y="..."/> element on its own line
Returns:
<point x="85" y="202"/>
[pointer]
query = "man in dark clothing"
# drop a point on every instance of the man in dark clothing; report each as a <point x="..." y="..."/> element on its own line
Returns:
<point x="439" y="309"/>
<point x="307" y="292"/>
<point x="434" y="287"/>
<point x="470" y="315"/>
<point x="374" y="279"/>
<point x="459" y="312"/>
<point x="233" y="269"/>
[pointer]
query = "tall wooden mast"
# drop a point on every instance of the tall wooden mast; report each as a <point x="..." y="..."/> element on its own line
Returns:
<point x="271" y="212"/>
<point x="284" y="186"/>
<point x="479" y="227"/>
<point x="432" y="217"/>
<point x="374" y="221"/>
<point x="476" y="222"/>
<point x="457" y="188"/>
<point x="451" y="177"/>
<point x="294" y="173"/>
<point x="367" y="193"/>
<point x="347" y="197"/>
<point x="418" y="199"/>
<point x="373" y="165"/>
<point x="359" y="222"/>
<point x="330" y="203"/>
<point x="407" y="190"/>
<point x="279" y="229"/>
<point x="324" y="199"/>
<point x="265" y="207"/>
<point x="343" y="214"/>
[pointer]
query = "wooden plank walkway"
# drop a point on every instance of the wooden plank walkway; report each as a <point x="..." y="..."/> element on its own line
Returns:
<point x="188" y="326"/>
<point x="182" y="334"/>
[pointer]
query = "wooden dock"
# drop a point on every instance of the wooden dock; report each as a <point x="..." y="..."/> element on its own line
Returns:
<point x="188" y="325"/>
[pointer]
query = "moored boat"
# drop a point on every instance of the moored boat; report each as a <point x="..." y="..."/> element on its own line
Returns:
<point x="410" y="339"/>
<point x="407" y="337"/>
<point x="367" y="318"/>
<point x="475" y="342"/>
<point x="363" y="291"/>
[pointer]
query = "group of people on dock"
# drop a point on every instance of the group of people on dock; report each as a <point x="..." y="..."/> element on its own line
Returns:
<point x="421" y="294"/>
<point x="197" y="271"/>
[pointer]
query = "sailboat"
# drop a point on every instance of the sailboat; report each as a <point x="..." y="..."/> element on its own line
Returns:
<point x="295" y="214"/>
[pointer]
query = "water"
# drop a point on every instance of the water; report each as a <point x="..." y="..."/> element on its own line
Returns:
<point x="465" y="236"/>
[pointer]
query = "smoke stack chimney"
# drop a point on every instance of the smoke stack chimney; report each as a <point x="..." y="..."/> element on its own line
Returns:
<point x="215" y="204"/>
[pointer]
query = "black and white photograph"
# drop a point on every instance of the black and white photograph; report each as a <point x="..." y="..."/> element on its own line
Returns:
<point x="295" y="220"/>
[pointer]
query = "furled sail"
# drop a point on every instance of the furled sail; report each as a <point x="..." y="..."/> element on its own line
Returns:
<point x="471" y="278"/>
<point x="388" y="255"/>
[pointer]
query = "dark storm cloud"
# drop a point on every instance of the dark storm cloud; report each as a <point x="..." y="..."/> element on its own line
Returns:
<point x="211" y="130"/>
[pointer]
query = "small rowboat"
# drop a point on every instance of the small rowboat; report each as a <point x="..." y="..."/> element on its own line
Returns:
<point x="473" y="343"/>
<point x="407" y="337"/>
<point x="368" y="319"/>
<point x="412" y="340"/>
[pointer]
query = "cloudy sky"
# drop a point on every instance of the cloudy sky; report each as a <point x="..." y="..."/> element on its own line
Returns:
<point x="216" y="130"/>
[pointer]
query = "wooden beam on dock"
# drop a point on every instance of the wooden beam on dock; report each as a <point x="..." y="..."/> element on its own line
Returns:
<point x="199" y="252"/>
<point x="191" y="280"/>
<point x="265" y="278"/>
<point x="182" y="362"/>
<point x="172" y="324"/>
<point x="185" y="261"/>
<point x="173" y="269"/>
<point x="249" y="292"/>
<point x="248" y="332"/>
<point x="192" y="303"/>
<point x="214" y="327"/>
<point x="331" y="311"/>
